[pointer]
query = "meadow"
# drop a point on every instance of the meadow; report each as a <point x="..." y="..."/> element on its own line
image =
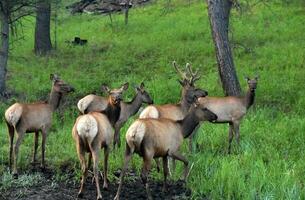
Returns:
<point x="268" y="40"/>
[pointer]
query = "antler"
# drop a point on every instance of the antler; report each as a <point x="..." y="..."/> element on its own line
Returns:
<point x="194" y="76"/>
<point x="182" y="74"/>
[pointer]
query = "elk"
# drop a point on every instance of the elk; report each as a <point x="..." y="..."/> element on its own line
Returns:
<point x="153" y="138"/>
<point x="128" y="109"/>
<point x="94" y="131"/>
<point x="231" y="109"/>
<point x="188" y="95"/>
<point x="35" y="117"/>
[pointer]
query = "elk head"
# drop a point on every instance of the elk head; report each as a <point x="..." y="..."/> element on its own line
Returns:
<point x="145" y="97"/>
<point x="252" y="83"/>
<point x="189" y="92"/>
<point x="60" y="86"/>
<point x="203" y="113"/>
<point x="115" y="95"/>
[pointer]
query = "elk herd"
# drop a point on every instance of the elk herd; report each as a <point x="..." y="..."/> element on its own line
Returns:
<point x="157" y="133"/>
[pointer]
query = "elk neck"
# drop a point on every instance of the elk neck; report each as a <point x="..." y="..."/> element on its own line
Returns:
<point x="54" y="99"/>
<point x="134" y="105"/>
<point x="188" y="124"/>
<point x="249" y="98"/>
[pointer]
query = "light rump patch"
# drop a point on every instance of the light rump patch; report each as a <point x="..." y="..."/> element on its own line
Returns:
<point x="135" y="134"/>
<point x="87" y="127"/>
<point x="150" y="112"/>
<point x="13" y="114"/>
<point x="83" y="104"/>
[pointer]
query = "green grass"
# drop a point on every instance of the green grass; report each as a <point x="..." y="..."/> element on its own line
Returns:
<point x="268" y="164"/>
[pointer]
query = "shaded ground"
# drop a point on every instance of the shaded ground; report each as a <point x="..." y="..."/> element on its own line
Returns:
<point x="50" y="189"/>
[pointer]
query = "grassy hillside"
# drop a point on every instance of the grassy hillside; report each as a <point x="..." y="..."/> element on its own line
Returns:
<point x="269" y="164"/>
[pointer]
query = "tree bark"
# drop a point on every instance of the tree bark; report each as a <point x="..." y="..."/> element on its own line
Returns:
<point x="4" y="49"/>
<point x="42" y="30"/>
<point x="219" y="12"/>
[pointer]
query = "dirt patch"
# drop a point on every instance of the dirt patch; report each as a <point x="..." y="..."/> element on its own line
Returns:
<point x="50" y="189"/>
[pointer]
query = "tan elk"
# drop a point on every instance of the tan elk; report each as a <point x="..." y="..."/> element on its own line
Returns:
<point x="35" y="117"/>
<point x="94" y="131"/>
<point x="188" y="95"/>
<point x="128" y="109"/>
<point x="231" y="109"/>
<point x="153" y="138"/>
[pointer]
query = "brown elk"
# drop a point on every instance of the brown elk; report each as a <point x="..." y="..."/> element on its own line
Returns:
<point x="231" y="109"/>
<point x="128" y="109"/>
<point x="36" y="117"/>
<point x="153" y="138"/>
<point x="94" y="131"/>
<point x="188" y="96"/>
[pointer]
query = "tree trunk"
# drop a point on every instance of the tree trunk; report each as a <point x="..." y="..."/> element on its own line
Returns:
<point x="42" y="30"/>
<point x="219" y="12"/>
<point x="4" y="49"/>
<point x="126" y="11"/>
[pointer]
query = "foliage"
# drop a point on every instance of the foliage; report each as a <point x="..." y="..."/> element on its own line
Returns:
<point x="268" y="164"/>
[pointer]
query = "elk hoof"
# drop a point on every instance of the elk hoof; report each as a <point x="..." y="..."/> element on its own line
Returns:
<point x="15" y="175"/>
<point x="80" y="195"/>
<point x="105" y="186"/>
<point x="99" y="197"/>
<point x="164" y="189"/>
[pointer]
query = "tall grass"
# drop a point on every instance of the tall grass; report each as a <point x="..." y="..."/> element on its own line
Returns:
<point x="268" y="164"/>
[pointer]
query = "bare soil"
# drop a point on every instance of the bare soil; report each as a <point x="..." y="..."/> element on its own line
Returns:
<point x="132" y="188"/>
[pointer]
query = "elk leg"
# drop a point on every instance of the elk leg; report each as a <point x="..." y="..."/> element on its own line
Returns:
<point x="20" y="136"/>
<point x="178" y="156"/>
<point x="95" y="156"/>
<point x="11" y="138"/>
<point x="81" y="155"/>
<point x="89" y="160"/>
<point x="36" y="136"/>
<point x="236" y="130"/>
<point x="106" y="155"/>
<point x="117" y="140"/>
<point x="43" y="148"/>
<point x="157" y="161"/>
<point x="128" y="155"/>
<point x="165" y="172"/>
<point x="230" y="137"/>
<point x="145" y="171"/>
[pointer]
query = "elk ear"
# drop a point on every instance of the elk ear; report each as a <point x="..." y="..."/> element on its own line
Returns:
<point x="142" y="85"/>
<point x="105" y="88"/>
<point x="247" y="78"/>
<point x="125" y="86"/>
<point x="54" y="77"/>
<point x="256" y="77"/>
